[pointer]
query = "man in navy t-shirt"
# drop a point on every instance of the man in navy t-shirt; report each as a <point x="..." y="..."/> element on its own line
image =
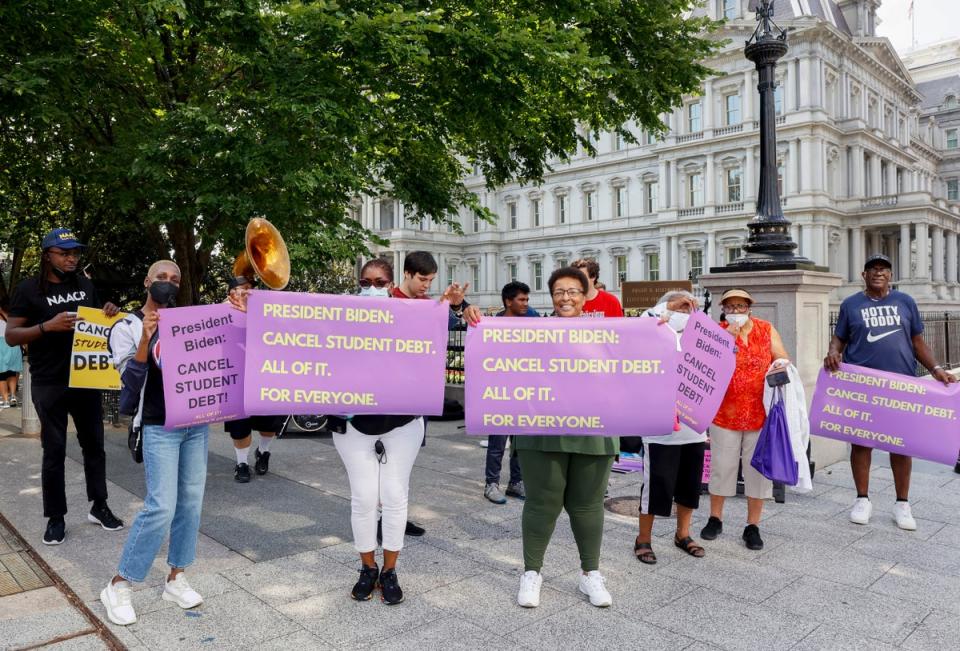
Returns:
<point x="880" y="328"/>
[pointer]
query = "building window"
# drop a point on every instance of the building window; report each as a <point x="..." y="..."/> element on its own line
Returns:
<point x="512" y="211"/>
<point x="617" y="141"/>
<point x="588" y="200"/>
<point x="537" y="276"/>
<point x="476" y="222"/>
<point x="780" y="186"/>
<point x="620" y="262"/>
<point x="695" y="183"/>
<point x="652" y="197"/>
<point x="950" y="102"/>
<point x="734" y="182"/>
<point x="694" y="123"/>
<point x="734" y="253"/>
<point x="732" y="103"/>
<point x="778" y="99"/>
<point x="535" y="211"/>
<point x="653" y="266"/>
<point x="562" y="209"/>
<point x="387" y="215"/>
<point x="730" y="9"/>
<point x="512" y="271"/>
<point x="476" y="276"/>
<point x="953" y="189"/>
<point x="696" y="264"/>
<point x="621" y="201"/>
<point x="562" y="262"/>
<point x="451" y="272"/>
<point x="952" y="141"/>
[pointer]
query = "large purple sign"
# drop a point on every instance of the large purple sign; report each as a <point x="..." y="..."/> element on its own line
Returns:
<point x="604" y="377"/>
<point x="322" y="354"/>
<point x="707" y="364"/>
<point x="202" y="362"/>
<point x="896" y="413"/>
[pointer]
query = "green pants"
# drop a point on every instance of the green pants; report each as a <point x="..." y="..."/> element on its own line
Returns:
<point x="563" y="480"/>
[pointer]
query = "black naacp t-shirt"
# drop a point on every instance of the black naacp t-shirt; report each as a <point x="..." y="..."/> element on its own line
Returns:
<point x="50" y="354"/>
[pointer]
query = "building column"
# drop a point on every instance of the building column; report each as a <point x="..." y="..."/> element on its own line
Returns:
<point x="904" y="256"/>
<point x="951" y="257"/>
<point x="674" y="186"/>
<point x="876" y="185"/>
<point x="937" y="271"/>
<point x="663" y="186"/>
<point x="856" y="172"/>
<point x="674" y="258"/>
<point x="441" y="272"/>
<point x="820" y="251"/>
<point x="875" y="242"/>
<point x="923" y="251"/>
<point x="789" y="88"/>
<point x="709" y="187"/>
<point x="490" y="259"/>
<point x="749" y="179"/>
<point x="891" y="177"/>
<point x="708" y="105"/>
<point x="747" y="99"/>
<point x="807" y="163"/>
<point x="805" y="87"/>
<point x="710" y="256"/>
<point x="792" y="181"/>
<point x="856" y="253"/>
<point x="665" y="258"/>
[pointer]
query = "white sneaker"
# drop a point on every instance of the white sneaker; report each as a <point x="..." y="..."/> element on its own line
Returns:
<point x="116" y="599"/>
<point x="860" y="513"/>
<point x="903" y="517"/>
<point x="529" y="596"/>
<point x="592" y="585"/>
<point x="179" y="592"/>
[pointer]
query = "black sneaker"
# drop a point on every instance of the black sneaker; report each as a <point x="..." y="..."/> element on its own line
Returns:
<point x="751" y="536"/>
<point x="713" y="529"/>
<point x="414" y="530"/>
<point x="56" y="531"/>
<point x="366" y="584"/>
<point x="242" y="473"/>
<point x="390" y="592"/>
<point x="263" y="462"/>
<point x="101" y="514"/>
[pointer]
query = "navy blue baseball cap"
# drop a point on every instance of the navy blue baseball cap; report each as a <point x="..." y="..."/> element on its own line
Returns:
<point x="61" y="237"/>
<point x="878" y="258"/>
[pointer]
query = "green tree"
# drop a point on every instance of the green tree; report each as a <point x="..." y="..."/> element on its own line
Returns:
<point x="184" y="118"/>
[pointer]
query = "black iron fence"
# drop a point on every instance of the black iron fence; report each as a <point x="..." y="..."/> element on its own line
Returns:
<point x="941" y="331"/>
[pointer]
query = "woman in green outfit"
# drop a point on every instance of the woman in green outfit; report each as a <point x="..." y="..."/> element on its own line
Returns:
<point x="564" y="472"/>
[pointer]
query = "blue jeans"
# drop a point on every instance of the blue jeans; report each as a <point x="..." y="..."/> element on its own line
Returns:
<point x="496" y="443"/>
<point x="175" y="463"/>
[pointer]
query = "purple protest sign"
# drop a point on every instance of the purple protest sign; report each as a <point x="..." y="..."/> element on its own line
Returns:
<point x="896" y="413"/>
<point x="604" y="377"/>
<point x="202" y="362"/>
<point x="322" y="354"/>
<point x="706" y="366"/>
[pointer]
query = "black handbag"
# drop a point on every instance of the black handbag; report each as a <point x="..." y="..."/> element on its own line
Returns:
<point x="135" y="442"/>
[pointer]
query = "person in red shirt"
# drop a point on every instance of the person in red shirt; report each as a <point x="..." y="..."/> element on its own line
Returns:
<point x="599" y="302"/>
<point x="419" y="270"/>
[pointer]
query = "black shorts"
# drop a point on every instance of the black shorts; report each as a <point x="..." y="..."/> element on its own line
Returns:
<point x="241" y="429"/>
<point x="671" y="473"/>
<point x="6" y="375"/>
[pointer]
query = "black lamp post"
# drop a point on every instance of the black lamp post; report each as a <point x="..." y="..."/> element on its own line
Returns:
<point x="769" y="246"/>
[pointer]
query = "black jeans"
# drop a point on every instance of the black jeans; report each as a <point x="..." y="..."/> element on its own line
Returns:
<point x="53" y="403"/>
<point x="495" y="447"/>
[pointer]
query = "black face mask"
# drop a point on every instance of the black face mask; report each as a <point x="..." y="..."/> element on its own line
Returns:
<point x="63" y="275"/>
<point x="164" y="293"/>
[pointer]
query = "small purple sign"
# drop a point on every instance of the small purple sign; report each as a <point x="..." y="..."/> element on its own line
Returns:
<point x="202" y="362"/>
<point x="324" y="354"/>
<point x="897" y="413"/>
<point x="707" y="362"/>
<point x="555" y="376"/>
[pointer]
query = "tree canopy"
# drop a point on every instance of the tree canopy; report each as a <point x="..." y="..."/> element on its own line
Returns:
<point x="165" y="125"/>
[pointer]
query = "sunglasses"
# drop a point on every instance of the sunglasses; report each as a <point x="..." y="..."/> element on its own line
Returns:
<point x="379" y="283"/>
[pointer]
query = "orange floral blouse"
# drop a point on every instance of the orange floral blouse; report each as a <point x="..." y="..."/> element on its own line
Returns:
<point x="742" y="406"/>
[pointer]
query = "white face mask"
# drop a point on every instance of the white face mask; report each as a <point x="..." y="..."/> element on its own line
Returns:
<point x="678" y="321"/>
<point x="738" y="320"/>
<point x="378" y="292"/>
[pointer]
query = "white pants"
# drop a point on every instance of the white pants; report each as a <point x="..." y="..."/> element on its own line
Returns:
<point x="373" y="483"/>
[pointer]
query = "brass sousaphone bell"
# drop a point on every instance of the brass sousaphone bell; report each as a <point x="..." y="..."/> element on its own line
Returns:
<point x="265" y="256"/>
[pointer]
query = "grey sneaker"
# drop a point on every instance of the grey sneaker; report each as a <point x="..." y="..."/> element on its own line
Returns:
<point x="492" y="492"/>
<point x="516" y="490"/>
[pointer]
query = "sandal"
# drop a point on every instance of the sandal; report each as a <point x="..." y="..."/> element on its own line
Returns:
<point x="687" y="545"/>
<point x="647" y="557"/>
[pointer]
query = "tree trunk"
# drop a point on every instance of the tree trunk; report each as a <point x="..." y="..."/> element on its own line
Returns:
<point x="188" y="257"/>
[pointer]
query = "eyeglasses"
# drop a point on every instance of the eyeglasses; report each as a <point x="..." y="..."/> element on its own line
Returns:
<point x="379" y="283"/>
<point x="572" y="293"/>
<point x="70" y="253"/>
<point x="736" y="307"/>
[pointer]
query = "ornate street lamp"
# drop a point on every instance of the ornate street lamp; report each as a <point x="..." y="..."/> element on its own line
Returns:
<point x="769" y="246"/>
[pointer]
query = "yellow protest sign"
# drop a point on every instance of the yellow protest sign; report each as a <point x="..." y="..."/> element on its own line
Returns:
<point x="91" y="366"/>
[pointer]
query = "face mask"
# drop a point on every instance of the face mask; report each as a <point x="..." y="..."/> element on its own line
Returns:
<point x="164" y="293"/>
<point x="678" y="321"/>
<point x="738" y="320"/>
<point x="378" y="292"/>
<point x="63" y="275"/>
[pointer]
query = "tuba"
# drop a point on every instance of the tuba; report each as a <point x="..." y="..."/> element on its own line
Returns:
<point x="265" y="255"/>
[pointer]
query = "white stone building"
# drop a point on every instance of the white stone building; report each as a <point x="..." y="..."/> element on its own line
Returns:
<point x="862" y="156"/>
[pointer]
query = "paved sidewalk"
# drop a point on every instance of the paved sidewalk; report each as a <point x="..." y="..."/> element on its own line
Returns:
<point x="275" y="564"/>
